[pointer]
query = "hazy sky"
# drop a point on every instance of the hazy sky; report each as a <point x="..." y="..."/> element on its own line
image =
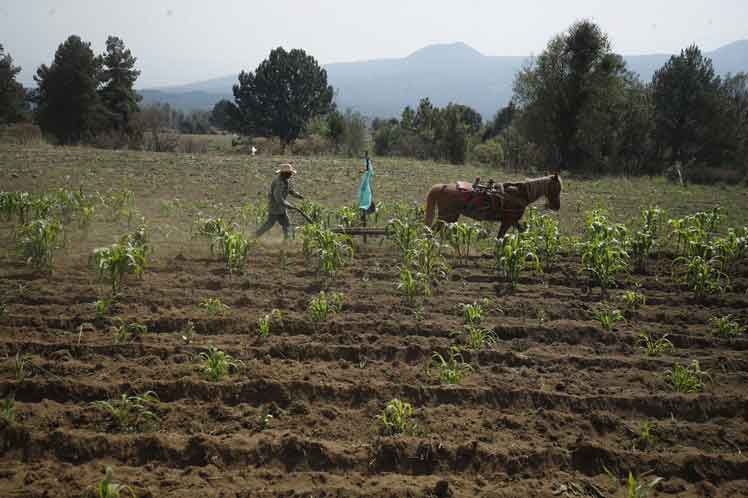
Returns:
<point x="185" y="41"/>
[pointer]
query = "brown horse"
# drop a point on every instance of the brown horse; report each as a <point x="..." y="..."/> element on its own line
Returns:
<point x="506" y="203"/>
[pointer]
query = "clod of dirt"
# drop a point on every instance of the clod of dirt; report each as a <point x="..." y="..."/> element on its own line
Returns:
<point x="441" y="490"/>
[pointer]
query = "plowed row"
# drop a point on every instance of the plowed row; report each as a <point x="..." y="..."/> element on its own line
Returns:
<point x="549" y="410"/>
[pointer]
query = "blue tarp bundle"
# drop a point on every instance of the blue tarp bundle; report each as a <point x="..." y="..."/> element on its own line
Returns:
<point x="365" y="192"/>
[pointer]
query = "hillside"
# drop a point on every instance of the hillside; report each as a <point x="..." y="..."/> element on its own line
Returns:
<point x="445" y="73"/>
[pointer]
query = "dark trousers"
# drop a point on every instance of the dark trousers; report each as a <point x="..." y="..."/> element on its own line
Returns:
<point x="281" y="219"/>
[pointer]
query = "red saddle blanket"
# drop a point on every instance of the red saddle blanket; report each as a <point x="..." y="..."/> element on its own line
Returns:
<point x="465" y="186"/>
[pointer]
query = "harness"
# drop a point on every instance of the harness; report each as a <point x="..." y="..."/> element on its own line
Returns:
<point x="491" y="197"/>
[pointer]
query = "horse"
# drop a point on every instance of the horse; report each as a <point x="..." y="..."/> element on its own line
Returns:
<point x="503" y="202"/>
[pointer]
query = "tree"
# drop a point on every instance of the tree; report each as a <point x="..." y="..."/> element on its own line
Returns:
<point x="224" y="115"/>
<point x="563" y="87"/>
<point x="118" y="78"/>
<point x="68" y="105"/>
<point x="285" y="91"/>
<point x="335" y="127"/>
<point x="501" y="121"/>
<point x="355" y="132"/>
<point x="686" y="93"/>
<point x="12" y="93"/>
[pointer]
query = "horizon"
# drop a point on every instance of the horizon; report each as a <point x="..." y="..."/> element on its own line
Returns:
<point x="176" y="44"/>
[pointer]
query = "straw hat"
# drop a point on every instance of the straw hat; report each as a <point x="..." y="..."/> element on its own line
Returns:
<point x="286" y="168"/>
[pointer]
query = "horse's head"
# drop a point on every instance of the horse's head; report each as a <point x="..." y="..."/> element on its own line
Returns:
<point x="553" y="193"/>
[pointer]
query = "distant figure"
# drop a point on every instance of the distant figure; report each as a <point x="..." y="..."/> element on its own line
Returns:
<point x="277" y="203"/>
<point x="254" y="150"/>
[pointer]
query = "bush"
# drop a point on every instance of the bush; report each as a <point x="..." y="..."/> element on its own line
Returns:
<point x="20" y="134"/>
<point x="490" y="153"/>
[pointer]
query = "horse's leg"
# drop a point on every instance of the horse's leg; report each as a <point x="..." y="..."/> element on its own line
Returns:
<point x="507" y="220"/>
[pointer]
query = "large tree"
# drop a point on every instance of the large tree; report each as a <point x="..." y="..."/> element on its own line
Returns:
<point x="12" y="93"/>
<point x="118" y="78"/>
<point x="68" y="104"/>
<point x="285" y="91"/>
<point x="563" y="88"/>
<point x="686" y="98"/>
<point x="224" y="115"/>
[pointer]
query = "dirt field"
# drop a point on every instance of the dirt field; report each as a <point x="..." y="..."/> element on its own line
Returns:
<point x="555" y="408"/>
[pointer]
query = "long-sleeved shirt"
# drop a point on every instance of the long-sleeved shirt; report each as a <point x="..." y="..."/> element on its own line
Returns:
<point x="279" y="190"/>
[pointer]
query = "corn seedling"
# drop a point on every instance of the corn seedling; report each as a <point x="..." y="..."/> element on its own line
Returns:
<point x="646" y="437"/>
<point x="472" y="313"/>
<point x="603" y="251"/>
<point x="637" y="488"/>
<point x="632" y="300"/>
<point x="701" y="275"/>
<point x="332" y="250"/>
<point x="452" y="370"/>
<point x="409" y="286"/>
<point x="513" y="254"/>
<point x="128" y="331"/>
<point x="655" y="346"/>
<point x="346" y="215"/>
<point x="213" y="306"/>
<point x="731" y="249"/>
<point x="546" y="235"/>
<point x="608" y="317"/>
<point x="217" y="364"/>
<point x="396" y="417"/>
<point x="22" y="366"/>
<point x="119" y="204"/>
<point x="7" y="411"/>
<point x="642" y="242"/>
<point x="130" y="413"/>
<point x="264" y="322"/>
<point x="264" y="421"/>
<point x="108" y="488"/>
<point x="686" y="379"/>
<point x="103" y="306"/>
<point x="478" y="337"/>
<point x="117" y="260"/>
<point x="426" y="258"/>
<point x="235" y="250"/>
<point x="725" y="326"/>
<point x="38" y="241"/>
<point x="460" y="236"/>
<point x="404" y="234"/>
<point x="212" y="229"/>
<point x="324" y="305"/>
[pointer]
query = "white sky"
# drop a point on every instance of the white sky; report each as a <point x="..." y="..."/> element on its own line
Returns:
<point x="187" y="40"/>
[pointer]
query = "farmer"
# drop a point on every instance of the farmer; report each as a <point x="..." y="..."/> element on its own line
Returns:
<point x="277" y="203"/>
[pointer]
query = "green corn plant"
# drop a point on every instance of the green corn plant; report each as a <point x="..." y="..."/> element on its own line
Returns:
<point x="108" y="488"/>
<point x="7" y="410"/>
<point x="426" y="258"/>
<point x="637" y="488"/>
<point x="217" y="364"/>
<point x="119" y="204"/>
<point x="460" y="236"/>
<point x="702" y="276"/>
<point x="313" y="210"/>
<point x="478" y="337"/>
<point x="264" y="422"/>
<point x="453" y="369"/>
<point x="546" y="235"/>
<point x="103" y="306"/>
<point x="130" y="413"/>
<point x="214" y="306"/>
<point x="15" y="204"/>
<point x="396" y="417"/>
<point x="404" y="234"/>
<point x="686" y="379"/>
<point x="22" y="366"/>
<point x="693" y="234"/>
<point x="641" y="242"/>
<point x="731" y="249"/>
<point x="324" y="305"/>
<point x="603" y="250"/>
<point x="409" y="286"/>
<point x="725" y="326"/>
<point x="128" y="330"/>
<point x="38" y="241"/>
<point x="188" y="332"/>
<point x="646" y="438"/>
<point x="608" y="317"/>
<point x="632" y="300"/>
<point x="332" y="250"/>
<point x="472" y="313"/>
<point x="235" y="250"/>
<point x="212" y="229"/>
<point x="117" y="260"/>
<point x="264" y="322"/>
<point x="346" y="216"/>
<point x="513" y="254"/>
<point x="655" y="346"/>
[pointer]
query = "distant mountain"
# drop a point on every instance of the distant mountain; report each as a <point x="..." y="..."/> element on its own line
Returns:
<point x="445" y="73"/>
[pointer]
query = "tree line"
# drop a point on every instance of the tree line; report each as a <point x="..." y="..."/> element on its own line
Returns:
<point x="576" y="107"/>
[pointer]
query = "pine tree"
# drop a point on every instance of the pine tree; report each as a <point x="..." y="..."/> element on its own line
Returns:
<point x="68" y="106"/>
<point x="12" y="93"/>
<point x="118" y="77"/>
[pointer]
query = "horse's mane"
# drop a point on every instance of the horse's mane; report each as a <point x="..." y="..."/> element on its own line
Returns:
<point x="536" y="187"/>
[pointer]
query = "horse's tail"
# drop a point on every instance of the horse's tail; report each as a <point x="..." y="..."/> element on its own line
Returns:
<point x="430" y="207"/>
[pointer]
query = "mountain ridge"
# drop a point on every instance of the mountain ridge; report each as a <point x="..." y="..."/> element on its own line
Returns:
<point x="444" y="72"/>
